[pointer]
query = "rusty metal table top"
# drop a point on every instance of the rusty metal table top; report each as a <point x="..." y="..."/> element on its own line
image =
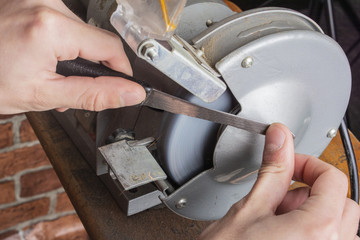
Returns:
<point x="99" y="212"/>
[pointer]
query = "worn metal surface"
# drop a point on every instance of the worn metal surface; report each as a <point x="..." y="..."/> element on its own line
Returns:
<point x="97" y="209"/>
<point x="132" y="166"/>
<point x="159" y="100"/>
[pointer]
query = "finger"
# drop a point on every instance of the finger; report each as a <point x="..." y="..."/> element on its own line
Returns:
<point x="350" y="220"/>
<point x="78" y="39"/>
<point x="94" y="94"/>
<point x="326" y="183"/>
<point x="276" y="170"/>
<point x="293" y="199"/>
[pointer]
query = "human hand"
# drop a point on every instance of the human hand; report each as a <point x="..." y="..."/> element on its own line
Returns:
<point x="270" y="211"/>
<point x="34" y="36"/>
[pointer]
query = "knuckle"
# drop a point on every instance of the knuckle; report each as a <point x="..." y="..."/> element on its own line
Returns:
<point x="41" y="21"/>
<point x="93" y="101"/>
<point x="272" y="168"/>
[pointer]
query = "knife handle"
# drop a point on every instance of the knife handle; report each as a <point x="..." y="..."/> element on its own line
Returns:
<point x="82" y="67"/>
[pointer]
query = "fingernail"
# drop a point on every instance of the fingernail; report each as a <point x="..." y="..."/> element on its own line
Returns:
<point x="275" y="138"/>
<point x="131" y="98"/>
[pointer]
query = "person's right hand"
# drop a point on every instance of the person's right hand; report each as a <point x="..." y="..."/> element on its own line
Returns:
<point x="34" y="36"/>
<point x="269" y="211"/>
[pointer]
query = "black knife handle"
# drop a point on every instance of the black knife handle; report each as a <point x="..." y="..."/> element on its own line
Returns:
<point x="82" y="67"/>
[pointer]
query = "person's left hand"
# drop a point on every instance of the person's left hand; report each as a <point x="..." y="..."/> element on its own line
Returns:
<point x="34" y="36"/>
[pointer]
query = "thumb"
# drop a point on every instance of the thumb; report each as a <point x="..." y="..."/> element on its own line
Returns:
<point x="94" y="94"/>
<point x="276" y="170"/>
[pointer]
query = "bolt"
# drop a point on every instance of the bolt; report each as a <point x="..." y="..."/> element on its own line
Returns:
<point x="150" y="52"/>
<point x="209" y="22"/>
<point x="331" y="133"/>
<point x="181" y="203"/>
<point x="247" y="62"/>
<point x="199" y="52"/>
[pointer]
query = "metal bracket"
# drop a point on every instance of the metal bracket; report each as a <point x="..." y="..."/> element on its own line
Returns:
<point x="185" y="65"/>
<point x="131" y="163"/>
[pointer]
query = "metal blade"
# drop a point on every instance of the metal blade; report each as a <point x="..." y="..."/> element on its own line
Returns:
<point x="163" y="101"/>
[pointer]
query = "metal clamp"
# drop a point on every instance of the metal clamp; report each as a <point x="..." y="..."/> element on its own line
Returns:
<point x="185" y="65"/>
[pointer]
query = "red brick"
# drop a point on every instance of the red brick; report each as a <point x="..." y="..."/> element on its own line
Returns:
<point x="63" y="203"/>
<point x="23" y="212"/>
<point x="6" y="136"/>
<point x="10" y="235"/>
<point x="7" y="192"/>
<point x="21" y="159"/>
<point x="64" y="228"/>
<point x="39" y="182"/>
<point x="26" y="132"/>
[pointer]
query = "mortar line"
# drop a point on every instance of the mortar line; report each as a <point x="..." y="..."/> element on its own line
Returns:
<point x="30" y="222"/>
<point x="13" y="118"/>
<point x="19" y="145"/>
<point x="16" y="125"/>
<point x="53" y="203"/>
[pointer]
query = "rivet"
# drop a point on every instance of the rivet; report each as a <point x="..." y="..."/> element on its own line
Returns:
<point x="331" y="133"/>
<point x="247" y="62"/>
<point x="181" y="203"/>
<point x="209" y="22"/>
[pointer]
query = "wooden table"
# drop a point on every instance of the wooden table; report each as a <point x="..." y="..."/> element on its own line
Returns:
<point x="100" y="214"/>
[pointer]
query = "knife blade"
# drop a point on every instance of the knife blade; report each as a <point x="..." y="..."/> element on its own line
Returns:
<point x="169" y="103"/>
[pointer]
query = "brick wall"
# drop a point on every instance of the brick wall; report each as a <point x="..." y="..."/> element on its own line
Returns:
<point x="33" y="205"/>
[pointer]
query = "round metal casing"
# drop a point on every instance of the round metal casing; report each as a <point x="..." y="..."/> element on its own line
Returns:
<point x="297" y="77"/>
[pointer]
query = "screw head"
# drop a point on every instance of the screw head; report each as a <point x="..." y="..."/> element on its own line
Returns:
<point x="331" y="133"/>
<point x="150" y="52"/>
<point x="209" y="22"/>
<point x="181" y="203"/>
<point x="247" y="62"/>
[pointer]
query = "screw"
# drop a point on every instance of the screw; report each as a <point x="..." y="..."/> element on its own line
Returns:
<point x="247" y="62"/>
<point x="181" y="203"/>
<point x="331" y="133"/>
<point x="150" y="52"/>
<point x="209" y="22"/>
